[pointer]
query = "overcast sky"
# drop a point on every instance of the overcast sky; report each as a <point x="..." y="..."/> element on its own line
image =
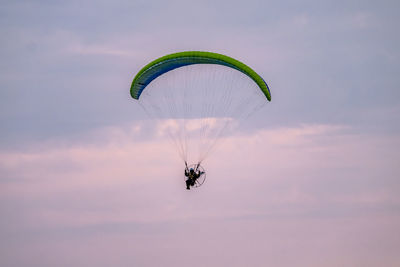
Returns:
<point x="312" y="179"/>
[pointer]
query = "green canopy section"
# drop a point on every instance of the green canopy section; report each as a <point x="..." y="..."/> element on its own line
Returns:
<point x="172" y="61"/>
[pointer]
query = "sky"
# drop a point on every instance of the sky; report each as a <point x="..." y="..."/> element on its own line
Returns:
<point x="311" y="179"/>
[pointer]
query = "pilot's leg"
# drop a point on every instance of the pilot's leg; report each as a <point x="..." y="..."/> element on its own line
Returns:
<point x="188" y="184"/>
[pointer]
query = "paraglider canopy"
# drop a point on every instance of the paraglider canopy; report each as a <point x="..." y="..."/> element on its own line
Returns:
<point x="172" y="61"/>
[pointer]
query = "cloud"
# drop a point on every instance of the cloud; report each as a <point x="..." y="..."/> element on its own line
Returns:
<point x="305" y="156"/>
<point x="119" y="184"/>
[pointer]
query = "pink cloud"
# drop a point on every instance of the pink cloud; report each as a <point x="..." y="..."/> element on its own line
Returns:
<point x="308" y="185"/>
